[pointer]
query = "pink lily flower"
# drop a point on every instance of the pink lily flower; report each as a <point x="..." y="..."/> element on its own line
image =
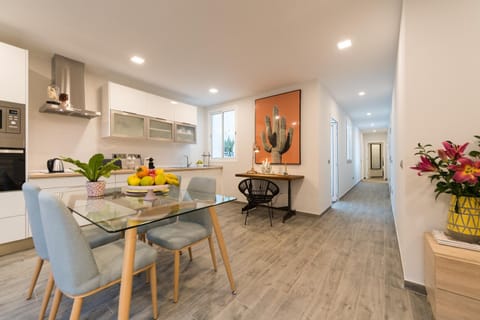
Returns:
<point x="466" y="171"/>
<point x="425" y="165"/>
<point x="454" y="151"/>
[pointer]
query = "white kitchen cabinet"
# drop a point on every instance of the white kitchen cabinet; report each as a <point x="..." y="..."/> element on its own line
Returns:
<point x="12" y="216"/>
<point x="160" y="129"/>
<point x="127" y="125"/>
<point x="185" y="133"/>
<point x="14" y="73"/>
<point x="126" y="99"/>
<point x="159" y="107"/>
<point x="185" y="113"/>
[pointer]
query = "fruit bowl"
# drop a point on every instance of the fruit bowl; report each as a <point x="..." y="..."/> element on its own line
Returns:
<point x="148" y="191"/>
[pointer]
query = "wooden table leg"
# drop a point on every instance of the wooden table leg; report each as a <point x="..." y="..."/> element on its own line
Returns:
<point x="127" y="274"/>
<point x="222" y="247"/>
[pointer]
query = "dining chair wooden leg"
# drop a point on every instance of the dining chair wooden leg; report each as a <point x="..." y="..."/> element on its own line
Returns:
<point x="222" y="247"/>
<point x="55" y="304"/>
<point x="176" y="274"/>
<point x="76" y="308"/>
<point x="46" y="297"/>
<point x="36" y="273"/>
<point x="212" y="253"/>
<point x="153" y="289"/>
<point x="190" y="253"/>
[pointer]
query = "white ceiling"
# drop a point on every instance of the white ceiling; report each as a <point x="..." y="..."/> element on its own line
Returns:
<point x="241" y="47"/>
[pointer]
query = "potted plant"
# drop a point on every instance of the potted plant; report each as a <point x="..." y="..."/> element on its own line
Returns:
<point x="455" y="173"/>
<point x="93" y="170"/>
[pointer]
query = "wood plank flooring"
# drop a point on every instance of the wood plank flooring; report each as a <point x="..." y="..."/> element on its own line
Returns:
<point x="342" y="265"/>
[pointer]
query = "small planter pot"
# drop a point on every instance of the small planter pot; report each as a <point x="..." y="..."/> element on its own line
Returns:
<point x="95" y="188"/>
<point x="464" y="219"/>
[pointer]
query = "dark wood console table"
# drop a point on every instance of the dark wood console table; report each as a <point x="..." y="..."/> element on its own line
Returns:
<point x="289" y="178"/>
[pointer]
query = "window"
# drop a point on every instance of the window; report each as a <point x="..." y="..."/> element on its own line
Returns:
<point x="222" y="126"/>
<point x="349" y="140"/>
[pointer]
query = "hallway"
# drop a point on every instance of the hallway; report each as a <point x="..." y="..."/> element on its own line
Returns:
<point x="343" y="265"/>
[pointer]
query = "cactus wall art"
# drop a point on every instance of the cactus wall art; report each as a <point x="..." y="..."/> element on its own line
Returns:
<point x="277" y="128"/>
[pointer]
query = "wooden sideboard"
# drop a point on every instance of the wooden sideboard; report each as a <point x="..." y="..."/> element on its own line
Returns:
<point x="452" y="279"/>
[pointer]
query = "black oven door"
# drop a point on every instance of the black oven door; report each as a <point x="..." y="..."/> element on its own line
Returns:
<point x="12" y="169"/>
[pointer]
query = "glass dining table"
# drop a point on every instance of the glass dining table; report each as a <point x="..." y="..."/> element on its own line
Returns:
<point x="122" y="211"/>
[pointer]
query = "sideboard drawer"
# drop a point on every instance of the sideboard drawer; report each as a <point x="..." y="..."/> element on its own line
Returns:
<point x="458" y="276"/>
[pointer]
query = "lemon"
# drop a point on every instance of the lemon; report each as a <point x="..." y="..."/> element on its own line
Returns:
<point x="158" y="171"/>
<point x="160" y="179"/>
<point x="147" y="181"/>
<point x="133" y="180"/>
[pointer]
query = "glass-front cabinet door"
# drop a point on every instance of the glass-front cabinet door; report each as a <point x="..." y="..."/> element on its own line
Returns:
<point x="160" y="129"/>
<point x="127" y="125"/>
<point x="185" y="133"/>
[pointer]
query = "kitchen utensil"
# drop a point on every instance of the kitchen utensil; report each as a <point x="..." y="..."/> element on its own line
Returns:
<point x="55" y="165"/>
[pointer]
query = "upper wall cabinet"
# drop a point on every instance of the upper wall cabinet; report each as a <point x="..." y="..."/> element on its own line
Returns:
<point x="13" y="79"/>
<point x="185" y="113"/>
<point x="159" y="107"/>
<point x="126" y="99"/>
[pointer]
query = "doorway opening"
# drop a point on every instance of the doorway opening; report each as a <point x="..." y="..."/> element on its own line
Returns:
<point x="333" y="159"/>
<point x="375" y="165"/>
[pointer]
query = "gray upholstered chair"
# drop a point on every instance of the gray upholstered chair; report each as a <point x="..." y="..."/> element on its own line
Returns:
<point x="95" y="236"/>
<point x="80" y="271"/>
<point x="189" y="229"/>
<point x="142" y="230"/>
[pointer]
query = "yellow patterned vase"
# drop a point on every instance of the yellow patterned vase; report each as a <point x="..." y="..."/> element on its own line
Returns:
<point x="464" y="219"/>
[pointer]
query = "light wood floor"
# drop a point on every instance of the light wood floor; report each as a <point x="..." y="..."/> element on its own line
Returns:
<point x="342" y="265"/>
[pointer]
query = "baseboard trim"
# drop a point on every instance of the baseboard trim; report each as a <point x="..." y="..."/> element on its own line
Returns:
<point x="416" y="287"/>
<point x="16" y="246"/>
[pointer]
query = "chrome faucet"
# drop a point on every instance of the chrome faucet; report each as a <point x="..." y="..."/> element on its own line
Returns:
<point x="188" y="163"/>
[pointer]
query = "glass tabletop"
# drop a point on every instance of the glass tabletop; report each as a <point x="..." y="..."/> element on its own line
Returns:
<point x="119" y="209"/>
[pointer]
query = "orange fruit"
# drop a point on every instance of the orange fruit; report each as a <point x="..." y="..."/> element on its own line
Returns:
<point x="142" y="171"/>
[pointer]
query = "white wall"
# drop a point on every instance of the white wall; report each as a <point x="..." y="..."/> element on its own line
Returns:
<point x="311" y="195"/>
<point x="436" y="98"/>
<point x="52" y="135"/>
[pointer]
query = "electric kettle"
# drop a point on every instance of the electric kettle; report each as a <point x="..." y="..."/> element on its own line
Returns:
<point x="55" y="165"/>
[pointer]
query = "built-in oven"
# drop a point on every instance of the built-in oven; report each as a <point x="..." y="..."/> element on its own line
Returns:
<point x="12" y="169"/>
<point x="12" y="146"/>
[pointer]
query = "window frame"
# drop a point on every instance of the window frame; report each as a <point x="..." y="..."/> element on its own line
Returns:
<point x="222" y="111"/>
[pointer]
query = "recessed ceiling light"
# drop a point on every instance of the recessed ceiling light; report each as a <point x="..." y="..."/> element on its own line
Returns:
<point x="347" y="43"/>
<point x="369" y="114"/>
<point x="137" y="60"/>
<point x="173" y="102"/>
<point x="213" y="90"/>
<point x="361" y="93"/>
<point x="374" y="131"/>
<point x="372" y="124"/>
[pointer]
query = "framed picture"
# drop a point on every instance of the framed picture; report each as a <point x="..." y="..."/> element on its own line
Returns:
<point x="277" y="128"/>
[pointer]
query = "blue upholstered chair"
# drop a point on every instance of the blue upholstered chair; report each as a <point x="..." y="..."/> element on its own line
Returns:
<point x="94" y="235"/>
<point x="142" y="230"/>
<point x="80" y="271"/>
<point x="190" y="228"/>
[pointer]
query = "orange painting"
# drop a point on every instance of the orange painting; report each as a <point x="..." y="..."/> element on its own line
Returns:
<point x="277" y="128"/>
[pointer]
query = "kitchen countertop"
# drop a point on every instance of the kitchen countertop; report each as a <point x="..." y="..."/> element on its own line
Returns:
<point x="43" y="175"/>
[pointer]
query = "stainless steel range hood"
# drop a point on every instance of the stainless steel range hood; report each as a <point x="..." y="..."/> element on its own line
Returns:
<point x="69" y="76"/>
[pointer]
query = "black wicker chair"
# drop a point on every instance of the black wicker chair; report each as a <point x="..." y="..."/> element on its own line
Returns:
<point x="257" y="192"/>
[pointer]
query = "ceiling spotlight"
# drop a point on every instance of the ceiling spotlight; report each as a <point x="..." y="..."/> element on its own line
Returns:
<point x="173" y="102"/>
<point x="347" y="43"/>
<point x="213" y="90"/>
<point x="361" y="93"/>
<point x="137" y="60"/>
<point x="369" y="114"/>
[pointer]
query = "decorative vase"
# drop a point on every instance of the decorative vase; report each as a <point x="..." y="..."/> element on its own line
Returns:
<point x="464" y="219"/>
<point x="95" y="188"/>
